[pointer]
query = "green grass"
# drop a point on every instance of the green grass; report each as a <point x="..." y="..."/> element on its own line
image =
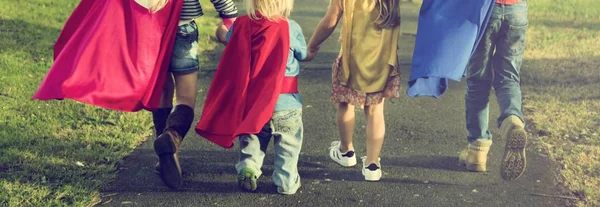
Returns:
<point x="58" y="153"/>
<point x="561" y="82"/>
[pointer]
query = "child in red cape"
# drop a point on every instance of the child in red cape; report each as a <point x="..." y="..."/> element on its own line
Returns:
<point x="172" y="124"/>
<point x="255" y="98"/>
<point x="129" y="55"/>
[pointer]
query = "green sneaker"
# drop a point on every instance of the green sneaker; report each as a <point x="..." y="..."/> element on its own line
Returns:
<point x="247" y="179"/>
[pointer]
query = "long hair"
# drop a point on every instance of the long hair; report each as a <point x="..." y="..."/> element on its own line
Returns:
<point x="389" y="13"/>
<point x="269" y="9"/>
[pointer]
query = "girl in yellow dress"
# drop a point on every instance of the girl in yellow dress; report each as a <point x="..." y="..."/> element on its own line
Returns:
<point x="365" y="73"/>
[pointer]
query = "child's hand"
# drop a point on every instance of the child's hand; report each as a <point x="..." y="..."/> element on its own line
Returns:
<point x="312" y="52"/>
<point x="221" y="34"/>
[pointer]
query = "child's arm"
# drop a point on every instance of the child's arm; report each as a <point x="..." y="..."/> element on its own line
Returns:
<point x="298" y="43"/>
<point x="227" y="11"/>
<point x="325" y="28"/>
<point x="224" y="34"/>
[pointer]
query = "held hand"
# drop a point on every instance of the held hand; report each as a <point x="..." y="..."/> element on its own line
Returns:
<point x="221" y="34"/>
<point x="312" y="52"/>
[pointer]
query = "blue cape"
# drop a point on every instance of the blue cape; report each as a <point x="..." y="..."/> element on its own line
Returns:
<point x="447" y="36"/>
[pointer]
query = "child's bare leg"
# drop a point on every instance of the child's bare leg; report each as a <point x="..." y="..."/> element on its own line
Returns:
<point x="375" y="131"/>
<point x="345" y="124"/>
<point x="185" y="88"/>
<point x="166" y="101"/>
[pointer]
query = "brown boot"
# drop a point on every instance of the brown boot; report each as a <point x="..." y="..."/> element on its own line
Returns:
<point x="167" y="147"/>
<point x="475" y="156"/>
<point x="513" y="163"/>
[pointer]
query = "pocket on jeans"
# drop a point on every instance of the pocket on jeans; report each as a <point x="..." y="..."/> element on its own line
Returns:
<point x="188" y="36"/>
<point x="287" y="121"/>
<point x="516" y="39"/>
<point x="518" y="19"/>
<point x="189" y="29"/>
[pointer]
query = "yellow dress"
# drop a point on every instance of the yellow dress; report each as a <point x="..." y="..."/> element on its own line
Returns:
<point x="368" y="53"/>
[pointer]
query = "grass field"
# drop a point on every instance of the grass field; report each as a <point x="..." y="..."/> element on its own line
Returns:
<point x="57" y="153"/>
<point x="561" y="81"/>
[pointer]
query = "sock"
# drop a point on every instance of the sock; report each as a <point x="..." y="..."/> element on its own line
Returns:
<point x="181" y="119"/>
<point x="159" y="117"/>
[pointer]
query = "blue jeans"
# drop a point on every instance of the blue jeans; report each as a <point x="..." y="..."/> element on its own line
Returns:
<point x="497" y="63"/>
<point x="184" y="59"/>
<point x="287" y="129"/>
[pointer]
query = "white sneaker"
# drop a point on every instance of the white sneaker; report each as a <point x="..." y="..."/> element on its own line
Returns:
<point x="347" y="159"/>
<point x="372" y="172"/>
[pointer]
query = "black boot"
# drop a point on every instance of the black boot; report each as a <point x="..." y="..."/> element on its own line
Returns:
<point x="181" y="120"/>
<point x="168" y="143"/>
<point x="159" y="117"/>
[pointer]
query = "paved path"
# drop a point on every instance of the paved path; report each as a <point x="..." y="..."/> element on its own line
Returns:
<point x="419" y="156"/>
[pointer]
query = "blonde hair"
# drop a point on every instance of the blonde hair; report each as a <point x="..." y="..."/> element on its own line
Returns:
<point x="272" y="10"/>
<point x="153" y="5"/>
<point x="389" y="13"/>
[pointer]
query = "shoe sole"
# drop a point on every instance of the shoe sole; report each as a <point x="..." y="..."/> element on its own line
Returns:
<point x="170" y="170"/>
<point x="514" y="160"/>
<point x="373" y="178"/>
<point x="247" y="183"/>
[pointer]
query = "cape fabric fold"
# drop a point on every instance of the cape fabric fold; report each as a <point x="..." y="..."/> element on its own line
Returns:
<point x="248" y="81"/>
<point x="113" y="54"/>
<point x="447" y="35"/>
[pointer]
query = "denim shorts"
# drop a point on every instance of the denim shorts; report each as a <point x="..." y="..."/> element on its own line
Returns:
<point x="184" y="59"/>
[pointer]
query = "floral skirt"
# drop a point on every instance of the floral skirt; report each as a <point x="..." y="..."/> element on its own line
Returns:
<point x="344" y="94"/>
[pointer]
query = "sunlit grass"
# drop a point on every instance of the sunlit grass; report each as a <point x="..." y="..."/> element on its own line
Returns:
<point x="561" y="82"/>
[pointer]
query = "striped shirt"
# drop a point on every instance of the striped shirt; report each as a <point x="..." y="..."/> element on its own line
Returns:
<point x="192" y="9"/>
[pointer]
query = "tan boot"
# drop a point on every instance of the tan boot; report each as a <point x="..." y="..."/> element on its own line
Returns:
<point x="167" y="147"/>
<point x="475" y="156"/>
<point x="514" y="161"/>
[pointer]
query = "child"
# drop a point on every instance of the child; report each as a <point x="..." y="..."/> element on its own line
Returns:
<point x="102" y="59"/>
<point x="497" y="63"/>
<point x="172" y="124"/>
<point x="272" y="51"/>
<point x="365" y="73"/>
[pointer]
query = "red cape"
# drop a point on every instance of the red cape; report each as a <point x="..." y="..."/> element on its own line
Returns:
<point x="248" y="81"/>
<point x="113" y="54"/>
